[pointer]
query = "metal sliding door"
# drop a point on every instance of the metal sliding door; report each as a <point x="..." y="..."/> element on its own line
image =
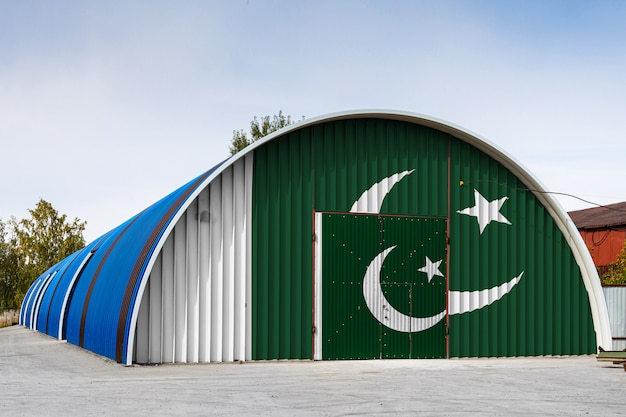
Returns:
<point x="383" y="286"/>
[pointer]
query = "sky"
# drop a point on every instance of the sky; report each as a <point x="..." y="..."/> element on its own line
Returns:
<point x="107" y="106"/>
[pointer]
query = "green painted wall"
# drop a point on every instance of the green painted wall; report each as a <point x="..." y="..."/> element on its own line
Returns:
<point x="350" y="243"/>
<point x="282" y="239"/>
<point x="548" y="312"/>
<point x="326" y="167"/>
<point x="351" y="155"/>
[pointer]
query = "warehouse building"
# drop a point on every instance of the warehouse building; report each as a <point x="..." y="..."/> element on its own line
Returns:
<point x="356" y="235"/>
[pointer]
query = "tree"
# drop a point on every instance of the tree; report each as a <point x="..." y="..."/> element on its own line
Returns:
<point x="8" y="269"/>
<point x="31" y="246"/>
<point x="258" y="129"/>
<point x="616" y="273"/>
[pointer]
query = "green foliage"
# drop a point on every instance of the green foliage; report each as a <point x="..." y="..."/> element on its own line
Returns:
<point x="258" y="129"/>
<point x="9" y="276"/>
<point x="616" y="273"/>
<point x="30" y="246"/>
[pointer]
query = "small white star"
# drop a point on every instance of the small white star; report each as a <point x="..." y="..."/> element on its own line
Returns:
<point x="431" y="269"/>
<point x="486" y="211"/>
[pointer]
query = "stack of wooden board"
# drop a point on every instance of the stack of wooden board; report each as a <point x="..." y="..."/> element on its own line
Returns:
<point x="618" y="357"/>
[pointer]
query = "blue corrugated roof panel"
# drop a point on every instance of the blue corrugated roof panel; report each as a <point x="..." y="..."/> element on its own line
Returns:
<point x="84" y="286"/>
<point x="49" y="292"/>
<point x="32" y="296"/>
<point x="98" y="317"/>
<point x="50" y="311"/>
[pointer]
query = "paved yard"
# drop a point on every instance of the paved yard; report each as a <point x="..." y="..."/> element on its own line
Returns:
<point x="42" y="376"/>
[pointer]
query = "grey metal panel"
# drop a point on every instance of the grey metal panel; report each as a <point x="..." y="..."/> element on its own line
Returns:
<point x="180" y="289"/>
<point x="193" y="306"/>
<point x="619" y="344"/>
<point x="247" y="281"/>
<point x="142" y="346"/>
<point x="154" y="297"/>
<point x="217" y="278"/>
<point x="239" y="259"/>
<point x="228" y="264"/>
<point x="615" y="297"/>
<point x="204" y="313"/>
<point x="192" y="283"/>
<point x="167" y="288"/>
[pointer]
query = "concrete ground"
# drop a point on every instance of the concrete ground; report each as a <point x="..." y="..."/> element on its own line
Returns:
<point x="41" y="376"/>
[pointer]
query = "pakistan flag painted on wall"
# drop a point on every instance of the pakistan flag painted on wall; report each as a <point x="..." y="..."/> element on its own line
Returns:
<point x="400" y="312"/>
<point x="486" y="254"/>
<point x="548" y="312"/>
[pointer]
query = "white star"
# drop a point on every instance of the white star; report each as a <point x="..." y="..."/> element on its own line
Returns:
<point x="486" y="211"/>
<point x="431" y="269"/>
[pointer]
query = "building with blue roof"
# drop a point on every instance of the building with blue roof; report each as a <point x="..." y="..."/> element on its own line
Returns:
<point x="368" y="234"/>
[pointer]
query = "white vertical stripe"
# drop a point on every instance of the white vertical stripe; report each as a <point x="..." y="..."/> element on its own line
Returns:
<point x="202" y="278"/>
<point x="156" y="310"/>
<point x="248" y="230"/>
<point x="168" y="300"/>
<point x="192" y="283"/>
<point x="205" y="283"/>
<point x="229" y="265"/>
<point x="26" y="305"/>
<point x="31" y="301"/>
<point x="239" y="177"/>
<point x="33" y="298"/>
<point x="317" y="336"/>
<point x="34" y="318"/>
<point x="143" y="332"/>
<point x="216" y="271"/>
<point x="180" y="289"/>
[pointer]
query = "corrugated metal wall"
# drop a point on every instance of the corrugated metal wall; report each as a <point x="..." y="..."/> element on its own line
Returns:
<point x="41" y="322"/>
<point x="604" y="244"/>
<point x="194" y="306"/>
<point x="234" y="279"/>
<point x="27" y="312"/>
<point x="282" y="245"/>
<point x="378" y="302"/>
<point x="352" y="155"/>
<point x="46" y="302"/>
<point x="548" y="311"/>
<point x="616" y="303"/>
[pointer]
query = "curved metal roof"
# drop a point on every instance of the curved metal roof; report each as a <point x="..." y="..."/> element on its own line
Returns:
<point x="114" y="269"/>
<point x="97" y="318"/>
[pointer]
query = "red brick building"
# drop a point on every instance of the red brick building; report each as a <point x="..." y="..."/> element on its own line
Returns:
<point x="604" y="230"/>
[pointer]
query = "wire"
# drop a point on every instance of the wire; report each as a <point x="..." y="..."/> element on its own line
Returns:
<point x="602" y="239"/>
<point x="462" y="183"/>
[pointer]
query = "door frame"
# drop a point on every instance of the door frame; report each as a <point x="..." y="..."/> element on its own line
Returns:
<point x="317" y="302"/>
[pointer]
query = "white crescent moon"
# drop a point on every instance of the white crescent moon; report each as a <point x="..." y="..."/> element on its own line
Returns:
<point x="380" y="307"/>
<point x="459" y="301"/>
<point x="372" y="199"/>
<point x="465" y="301"/>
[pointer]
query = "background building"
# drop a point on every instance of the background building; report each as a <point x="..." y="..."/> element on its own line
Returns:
<point x="604" y="231"/>
<point x="353" y="235"/>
